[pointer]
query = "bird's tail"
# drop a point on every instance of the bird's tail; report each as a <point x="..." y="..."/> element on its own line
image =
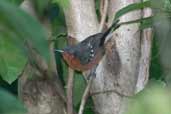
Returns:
<point x="113" y="27"/>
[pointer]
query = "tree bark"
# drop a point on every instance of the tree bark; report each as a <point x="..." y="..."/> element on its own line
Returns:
<point x="146" y="44"/>
<point x="39" y="87"/>
<point x="118" y="71"/>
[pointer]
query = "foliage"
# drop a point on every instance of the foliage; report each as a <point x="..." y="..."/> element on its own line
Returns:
<point x="17" y="31"/>
<point x="10" y="104"/>
<point x="17" y="2"/>
<point x="155" y="99"/>
<point x="156" y="68"/>
<point x="40" y="6"/>
<point x="162" y="36"/>
<point x="132" y="7"/>
<point x="62" y="3"/>
<point x="10" y="67"/>
<point x="161" y="23"/>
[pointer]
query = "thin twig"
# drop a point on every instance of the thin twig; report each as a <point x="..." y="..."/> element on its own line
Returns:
<point x="103" y="15"/>
<point x="70" y="91"/>
<point x="101" y="7"/>
<point x="70" y="85"/>
<point x="85" y="95"/>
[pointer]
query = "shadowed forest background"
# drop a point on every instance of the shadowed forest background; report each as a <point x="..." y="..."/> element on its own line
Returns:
<point x="35" y="80"/>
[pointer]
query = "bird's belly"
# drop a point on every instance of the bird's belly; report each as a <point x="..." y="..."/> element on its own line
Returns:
<point x="76" y="64"/>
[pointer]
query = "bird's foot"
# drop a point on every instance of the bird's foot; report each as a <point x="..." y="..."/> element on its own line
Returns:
<point x="92" y="74"/>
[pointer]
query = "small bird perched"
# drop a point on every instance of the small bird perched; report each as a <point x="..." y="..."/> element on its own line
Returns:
<point x="86" y="54"/>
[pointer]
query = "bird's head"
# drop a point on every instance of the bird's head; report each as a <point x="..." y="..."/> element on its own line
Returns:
<point x="67" y="54"/>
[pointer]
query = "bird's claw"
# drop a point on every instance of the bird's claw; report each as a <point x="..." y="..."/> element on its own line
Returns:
<point x="92" y="74"/>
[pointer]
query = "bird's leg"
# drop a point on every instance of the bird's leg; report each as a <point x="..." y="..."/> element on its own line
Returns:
<point x="92" y="73"/>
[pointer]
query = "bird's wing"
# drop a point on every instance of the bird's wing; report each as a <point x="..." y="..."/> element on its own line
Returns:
<point x="87" y="49"/>
<point x="83" y="54"/>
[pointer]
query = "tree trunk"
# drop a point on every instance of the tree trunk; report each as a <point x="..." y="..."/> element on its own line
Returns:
<point x="118" y="71"/>
<point x="123" y="70"/>
<point x="39" y="87"/>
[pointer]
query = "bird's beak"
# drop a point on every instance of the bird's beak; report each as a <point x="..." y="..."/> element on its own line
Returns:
<point x="58" y="50"/>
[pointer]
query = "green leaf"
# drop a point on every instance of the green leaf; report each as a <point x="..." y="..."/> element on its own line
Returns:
<point x="157" y="5"/>
<point x="17" y="2"/>
<point x="10" y="104"/>
<point x="3" y="67"/>
<point x="167" y="5"/>
<point x="97" y="7"/>
<point x="132" y="7"/>
<point x="12" y="60"/>
<point x="79" y="86"/>
<point x="62" y="3"/>
<point x="40" y="5"/>
<point x="24" y="26"/>
<point x="145" y="22"/>
<point x="153" y="100"/>
<point x="155" y="65"/>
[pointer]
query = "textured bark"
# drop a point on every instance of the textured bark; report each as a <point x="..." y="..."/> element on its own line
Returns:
<point x="117" y="73"/>
<point x="40" y="95"/>
<point x="124" y="63"/>
<point x="39" y="87"/>
<point x="146" y="44"/>
<point x="81" y="19"/>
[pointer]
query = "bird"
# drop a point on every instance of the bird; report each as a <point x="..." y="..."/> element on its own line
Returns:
<point x="87" y="54"/>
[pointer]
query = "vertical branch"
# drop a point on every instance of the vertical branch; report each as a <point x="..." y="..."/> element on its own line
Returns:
<point x="103" y="14"/>
<point x="52" y="66"/>
<point x="27" y="6"/>
<point x="80" y="24"/>
<point x="124" y="51"/>
<point x="101" y="7"/>
<point x="144" y="64"/>
<point x="44" y="93"/>
<point x="70" y="91"/>
<point x="70" y="83"/>
<point x="81" y="19"/>
<point x="104" y="8"/>
<point x="85" y="96"/>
